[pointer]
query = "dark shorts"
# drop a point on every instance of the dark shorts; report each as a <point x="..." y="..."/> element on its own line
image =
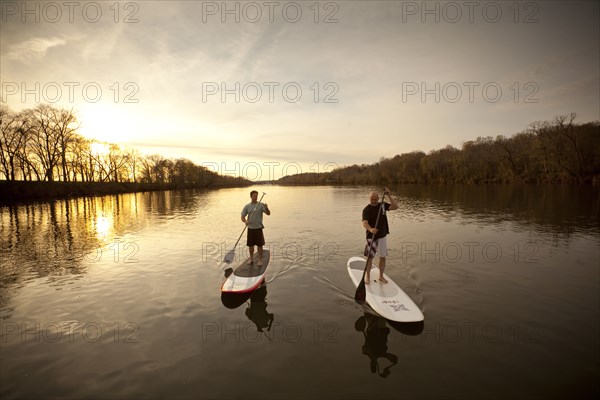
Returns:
<point x="255" y="237"/>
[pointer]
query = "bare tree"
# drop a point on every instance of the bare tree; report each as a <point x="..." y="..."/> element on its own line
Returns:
<point x="135" y="159"/>
<point x="8" y="137"/>
<point x="45" y="143"/>
<point x="117" y="161"/>
<point x="65" y="127"/>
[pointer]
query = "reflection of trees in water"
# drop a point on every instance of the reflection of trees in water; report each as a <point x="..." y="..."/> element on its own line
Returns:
<point x="559" y="209"/>
<point x="166" y="203"/>
<point x="63" y="237"/>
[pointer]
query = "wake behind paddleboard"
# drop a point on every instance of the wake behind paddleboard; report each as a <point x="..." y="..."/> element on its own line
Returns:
<point x="247" y="277"/>
<point x="388" y="300"/>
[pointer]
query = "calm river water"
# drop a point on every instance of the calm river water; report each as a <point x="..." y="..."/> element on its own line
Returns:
<point x="119" y="296"/>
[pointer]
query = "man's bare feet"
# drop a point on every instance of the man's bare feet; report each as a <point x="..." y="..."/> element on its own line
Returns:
<point x="259" y="263"/>
<point x="382" y="279"/>
<point x="249" y="261"/>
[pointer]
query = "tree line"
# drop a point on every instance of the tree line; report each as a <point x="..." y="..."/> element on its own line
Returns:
<point x="546" y="152"/>
<point x="43" y="144"/>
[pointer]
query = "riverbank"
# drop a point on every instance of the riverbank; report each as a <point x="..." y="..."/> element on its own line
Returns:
<point x="33" y="190"/>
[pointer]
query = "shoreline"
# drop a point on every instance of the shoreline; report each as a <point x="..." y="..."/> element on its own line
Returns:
<point x="16" y="191"/>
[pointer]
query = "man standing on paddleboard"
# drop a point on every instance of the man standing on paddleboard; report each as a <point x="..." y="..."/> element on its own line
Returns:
<point x="369" y="219"/>
<point x="255" y="226"/>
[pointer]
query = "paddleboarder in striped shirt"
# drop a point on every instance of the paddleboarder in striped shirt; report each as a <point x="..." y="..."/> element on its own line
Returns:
<point x="378" y="244"/>
<point x="255" y="210"/>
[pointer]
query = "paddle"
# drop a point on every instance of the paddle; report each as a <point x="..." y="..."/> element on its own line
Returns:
<point x="361" y="291"/>
<point x="230" y="256"/>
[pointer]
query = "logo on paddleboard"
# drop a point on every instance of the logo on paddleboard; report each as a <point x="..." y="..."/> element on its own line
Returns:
<point x="399" y="307"/>
<point x="396" y="305"/>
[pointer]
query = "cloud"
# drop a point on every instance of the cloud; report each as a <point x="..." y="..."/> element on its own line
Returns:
<point x="368" y="55"/>
<point x="280" y="153"/>
<point x="33" y="49"/>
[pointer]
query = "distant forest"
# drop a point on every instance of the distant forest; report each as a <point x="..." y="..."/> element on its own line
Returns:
<point x="42" y="144"/>
<point x="560" y="151"/>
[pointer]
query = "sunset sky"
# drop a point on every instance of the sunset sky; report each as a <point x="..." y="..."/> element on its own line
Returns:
<point x="376" y="79"/>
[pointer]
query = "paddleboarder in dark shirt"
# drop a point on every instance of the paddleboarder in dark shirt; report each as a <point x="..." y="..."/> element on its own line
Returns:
<point x="255" y="211"/>
<point x="369" y="217"/>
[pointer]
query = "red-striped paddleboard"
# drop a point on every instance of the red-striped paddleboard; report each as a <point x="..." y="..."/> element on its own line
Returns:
<point x="247" y="277"/>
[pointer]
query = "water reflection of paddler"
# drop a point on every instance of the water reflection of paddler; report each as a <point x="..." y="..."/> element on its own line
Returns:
<point x="376" y="332"/>
<point x="257" y="310"/>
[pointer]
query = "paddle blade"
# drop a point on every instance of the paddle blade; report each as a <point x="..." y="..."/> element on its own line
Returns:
<point x="360" y="324"/>
<point x="361" y="293"/>
<point x="229" y="256"/>
<point x="228" y="272"/>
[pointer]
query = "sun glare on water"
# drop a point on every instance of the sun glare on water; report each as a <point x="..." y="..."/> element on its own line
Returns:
<point x="103" y="226"/>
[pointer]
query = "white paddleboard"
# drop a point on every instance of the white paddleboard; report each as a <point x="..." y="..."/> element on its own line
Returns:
<point x="388" y="300"/>
<point x="247" y="277"/>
